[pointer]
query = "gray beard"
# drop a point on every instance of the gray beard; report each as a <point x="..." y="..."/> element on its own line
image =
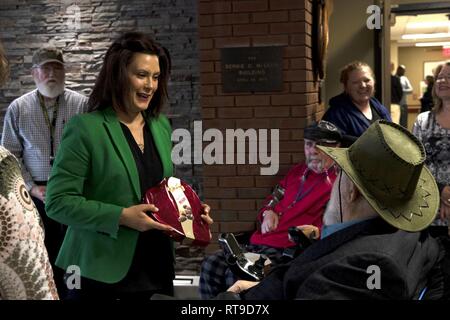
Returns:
<point x="319" y="168"/>
<point x="50" y="92"/>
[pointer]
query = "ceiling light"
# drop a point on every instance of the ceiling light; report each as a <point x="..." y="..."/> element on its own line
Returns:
<point x="426" y="35"/>
<point x="432" y="44"/>
<point x="428" y="24"/>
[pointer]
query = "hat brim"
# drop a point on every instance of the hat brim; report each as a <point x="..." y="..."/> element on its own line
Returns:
<point x="413" y="214"/>
<point x="48" y="61"/>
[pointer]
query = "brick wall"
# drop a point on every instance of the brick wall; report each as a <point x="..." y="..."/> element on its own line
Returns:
<point x="25" y="25"/>
<point x="235" y="192"/>
<point x="193" y="31"/>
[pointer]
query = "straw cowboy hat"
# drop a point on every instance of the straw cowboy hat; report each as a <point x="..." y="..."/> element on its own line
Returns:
<point x="387" y="165"/>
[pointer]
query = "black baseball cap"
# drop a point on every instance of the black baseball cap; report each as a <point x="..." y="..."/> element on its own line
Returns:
<point x="325" y="132"/>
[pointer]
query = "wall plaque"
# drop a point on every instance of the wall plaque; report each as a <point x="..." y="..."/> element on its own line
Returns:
<point x="254" y="69"/>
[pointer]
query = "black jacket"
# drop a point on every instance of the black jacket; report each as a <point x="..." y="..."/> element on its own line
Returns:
<point x="426" y="102"/>
<point x="347" y="117"/>
<point x="396" y="89"/>
<point x="339" y="266"/>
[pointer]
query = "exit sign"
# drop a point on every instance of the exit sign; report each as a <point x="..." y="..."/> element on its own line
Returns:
<point x="446" y="52"/>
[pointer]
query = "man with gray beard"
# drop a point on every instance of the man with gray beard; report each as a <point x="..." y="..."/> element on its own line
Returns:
<point x="32" y="131"/>
<point x="375" y="243"/>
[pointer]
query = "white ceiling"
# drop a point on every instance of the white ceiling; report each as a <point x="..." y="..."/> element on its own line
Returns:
<point x="401" y="25"/>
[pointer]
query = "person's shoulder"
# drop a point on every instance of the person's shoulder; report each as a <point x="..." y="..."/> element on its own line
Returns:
<point x="24" y="100"/>
<point x="378" y="105"/>
<point x="163" y="120"/>
<point x="423" y="117"/>
<point x="339" y="100"/>
<point x="74" y="95"/>
<point x="297" y="169"/>
<point x="338" y="105"/>
<point x="395" y="80"/>
<point x="161" y="117"/>
<point x="87" y="119"/>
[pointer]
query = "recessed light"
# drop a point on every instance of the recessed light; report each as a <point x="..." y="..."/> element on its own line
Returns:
<point x="432" y="44"/>
<point x="428" y="24"/>
<point x="426" y="35"/>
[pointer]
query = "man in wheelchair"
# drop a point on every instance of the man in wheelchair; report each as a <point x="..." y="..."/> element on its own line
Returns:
<point x="298" y="200"/>
<point x="375" y="243"/>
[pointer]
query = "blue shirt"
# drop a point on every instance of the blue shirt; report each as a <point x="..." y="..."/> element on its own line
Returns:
<point x="332" y="228"/>
<point x="346" y="116"/>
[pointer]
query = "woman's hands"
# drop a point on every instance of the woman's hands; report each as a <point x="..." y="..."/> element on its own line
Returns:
<point x="135" y="217"/>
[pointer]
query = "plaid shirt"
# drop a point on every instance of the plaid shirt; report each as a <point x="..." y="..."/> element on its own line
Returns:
<point x="27" y="135"/>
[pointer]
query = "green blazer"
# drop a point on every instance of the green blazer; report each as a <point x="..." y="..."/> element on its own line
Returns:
<point x="93" y="178"/>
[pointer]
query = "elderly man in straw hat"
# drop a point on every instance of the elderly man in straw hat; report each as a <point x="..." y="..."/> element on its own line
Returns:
<point x="374" y="245"/>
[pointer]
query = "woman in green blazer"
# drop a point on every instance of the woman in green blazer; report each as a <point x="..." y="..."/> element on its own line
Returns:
<point x="107" y="159"/>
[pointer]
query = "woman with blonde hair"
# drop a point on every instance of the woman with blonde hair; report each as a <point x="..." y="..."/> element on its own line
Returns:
<point x="433" y="129"/>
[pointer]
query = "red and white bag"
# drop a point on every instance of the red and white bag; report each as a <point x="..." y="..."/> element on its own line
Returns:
<point x="179" y="207"/>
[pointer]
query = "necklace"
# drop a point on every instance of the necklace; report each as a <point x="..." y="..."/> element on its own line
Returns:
<point x="141" y="146"/>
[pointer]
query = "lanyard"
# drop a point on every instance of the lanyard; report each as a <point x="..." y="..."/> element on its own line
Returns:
<point x="51" y="125"/>
<point x="301" y="194"/>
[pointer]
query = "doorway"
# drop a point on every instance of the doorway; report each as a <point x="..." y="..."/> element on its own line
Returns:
<point x="419" y="40"/>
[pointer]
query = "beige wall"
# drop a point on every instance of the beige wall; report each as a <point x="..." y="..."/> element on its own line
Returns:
<point x="394" y="53"/>
<point x="413" y="1"/>
<point x="349" y="40"/>
<point x="413" y="58"/>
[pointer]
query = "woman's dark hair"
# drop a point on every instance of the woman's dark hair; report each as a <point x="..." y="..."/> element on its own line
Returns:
<point x="112" y="87"/>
